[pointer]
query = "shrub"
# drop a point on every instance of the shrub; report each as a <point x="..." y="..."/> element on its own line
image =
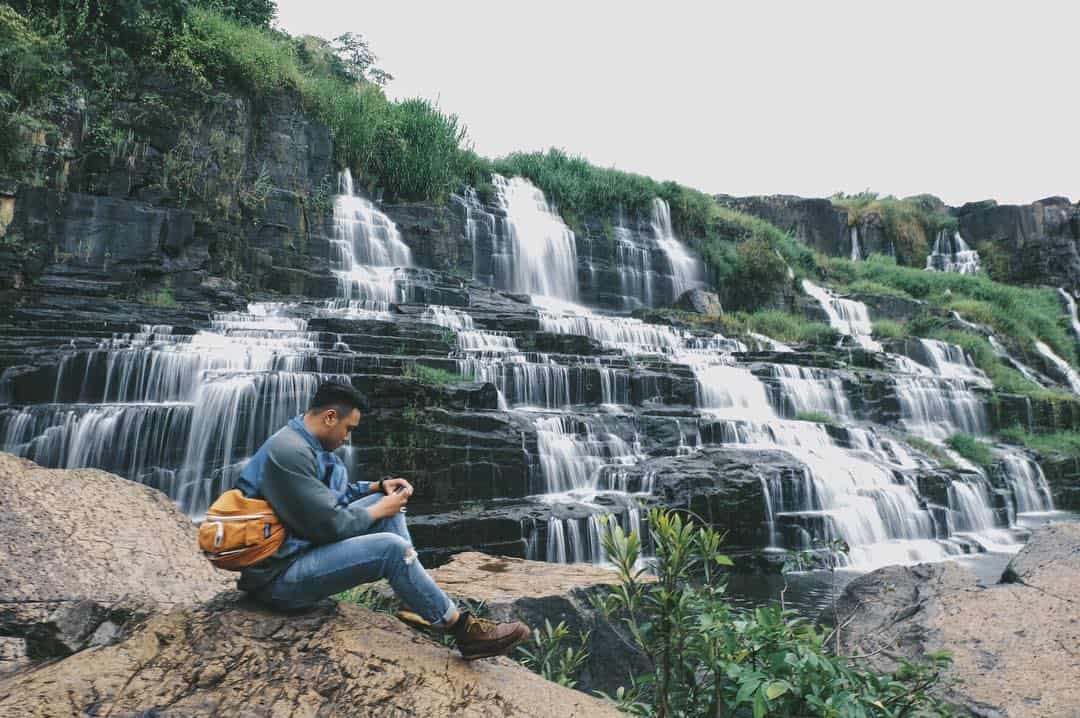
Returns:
<point x="554" y="654"/>
<point x="710" y="658"/>
<point x="758" y="274"/>
<point x="161" y="298"/>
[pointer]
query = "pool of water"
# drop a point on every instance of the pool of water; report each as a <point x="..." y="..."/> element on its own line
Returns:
<point x="810" y="593"/>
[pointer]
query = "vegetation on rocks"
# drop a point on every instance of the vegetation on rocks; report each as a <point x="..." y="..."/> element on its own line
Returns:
<point x="974" y="450"/>
<point x="1022" y="313"/>
<point x="710" y="658"/>
<point x="932" y="450"/>
<point x="1059" y="442"/>
<point x="817" y="417"/>
<point x="911" y="223"/>
<point x="782" y="326"/>
<point x="431" y="375"/>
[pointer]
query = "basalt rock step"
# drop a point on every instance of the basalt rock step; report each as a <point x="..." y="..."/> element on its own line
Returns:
<point x="724" y="486"/>
<point x="1013" y="644"/>
<point x="230" y="657"/>
<point x="535" y="592"/>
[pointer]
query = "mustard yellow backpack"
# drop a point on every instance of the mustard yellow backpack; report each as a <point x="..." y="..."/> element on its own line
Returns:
<point x="239" y="532"/>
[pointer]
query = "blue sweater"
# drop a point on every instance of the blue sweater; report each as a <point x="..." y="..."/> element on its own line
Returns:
<point x="308" y="488"/>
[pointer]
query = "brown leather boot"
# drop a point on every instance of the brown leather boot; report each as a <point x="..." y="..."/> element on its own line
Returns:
<point x="480" y="638"/>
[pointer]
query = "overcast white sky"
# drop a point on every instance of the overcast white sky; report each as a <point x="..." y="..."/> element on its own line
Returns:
<point x="965" y="100"/>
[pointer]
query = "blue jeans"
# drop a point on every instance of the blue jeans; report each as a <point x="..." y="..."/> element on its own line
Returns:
<point x="386" y="552"/>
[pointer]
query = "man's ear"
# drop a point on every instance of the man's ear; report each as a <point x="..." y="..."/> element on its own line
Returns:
<point x="330" y="416"/>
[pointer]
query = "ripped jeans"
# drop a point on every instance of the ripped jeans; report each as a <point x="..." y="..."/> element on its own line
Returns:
<point x="386" y="552"/>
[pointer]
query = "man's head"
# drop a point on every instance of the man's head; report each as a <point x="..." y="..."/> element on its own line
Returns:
<point x="334" y="412"/>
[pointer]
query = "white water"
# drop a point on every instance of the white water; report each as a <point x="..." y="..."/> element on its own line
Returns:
<point x="952" y="254"/>
<point x="948" y="361"/>
<point x="1070" y="304"/>
<point x="1063" y="367"/>
<point x="845" y="315"/>
<point x="366" y="251"/>
<point x="856" y="250"/>
<point x="626" y="333"/>
<point x="687" y="271"/>
<point x="541" y="252"/>
<point x="177" y="412"/>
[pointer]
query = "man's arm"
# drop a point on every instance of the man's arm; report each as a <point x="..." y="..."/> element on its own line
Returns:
<point x="307" y="506"/>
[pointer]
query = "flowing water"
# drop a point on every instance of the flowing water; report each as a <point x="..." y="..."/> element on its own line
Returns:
<point x="182" y="412"/>
<point x="952" y="254"/>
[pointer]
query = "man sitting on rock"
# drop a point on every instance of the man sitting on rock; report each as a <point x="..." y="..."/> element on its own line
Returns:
<point x="342" y="534"/>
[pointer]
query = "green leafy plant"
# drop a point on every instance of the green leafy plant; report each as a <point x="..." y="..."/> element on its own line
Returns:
<point x="711" y="659"/>
<point x="555" y="654"/>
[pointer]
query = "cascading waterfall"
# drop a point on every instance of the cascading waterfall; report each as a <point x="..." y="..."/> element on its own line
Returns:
<point x="947" y="360"/>
<point x="1070" y="305"/>
<point x="624" y="333"/>
<point x="182" y="412"/>
<point x="367" y="251"/>
<point x="1064" y="368"/>
<point x="175" y="412"/>
<point x="845" y="315"/>
<point x="526" y="378"/>
<point x="952" y="254"/>
<point x="937" y="408"/>
<point x="808" y="389"/>
<point x="633" y="263"/>
<point x="856" y="250"/>
<point x="687" y="271"/>
<point x="1028" y="483"/>
<point x="540" y="253"/>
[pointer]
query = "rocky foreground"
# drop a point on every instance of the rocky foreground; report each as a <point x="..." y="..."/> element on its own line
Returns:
<point x="106" y="608"/>
<point x="1015" y="644"/>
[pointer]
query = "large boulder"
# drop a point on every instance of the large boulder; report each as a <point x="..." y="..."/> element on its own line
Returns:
<point x="1013" y="644"/>
<point x="535" y="592"/>
<point x="84" y="552"/>
<point x="699" y="301"/>
<point x="229" y="657"/>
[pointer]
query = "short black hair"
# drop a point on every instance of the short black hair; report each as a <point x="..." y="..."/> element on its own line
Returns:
<point x="340" y="396"/>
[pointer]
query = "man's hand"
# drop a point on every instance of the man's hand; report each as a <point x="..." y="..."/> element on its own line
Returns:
<point x="388" y="505"/>
<point x="393" y="484"/>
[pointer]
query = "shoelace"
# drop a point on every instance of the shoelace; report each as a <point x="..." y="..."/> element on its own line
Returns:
<point x="479" y="625"/>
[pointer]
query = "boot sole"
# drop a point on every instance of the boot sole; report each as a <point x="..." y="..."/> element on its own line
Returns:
<point x="502" y="651"/>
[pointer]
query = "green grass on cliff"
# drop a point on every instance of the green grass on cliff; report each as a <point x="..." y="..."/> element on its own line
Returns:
<point x="976" y="451"/>
<point x="1025" y="314"/>
<point x="1061" y="442"/>
<point x="911" y="224"/>
<point x="781" y="326"/>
